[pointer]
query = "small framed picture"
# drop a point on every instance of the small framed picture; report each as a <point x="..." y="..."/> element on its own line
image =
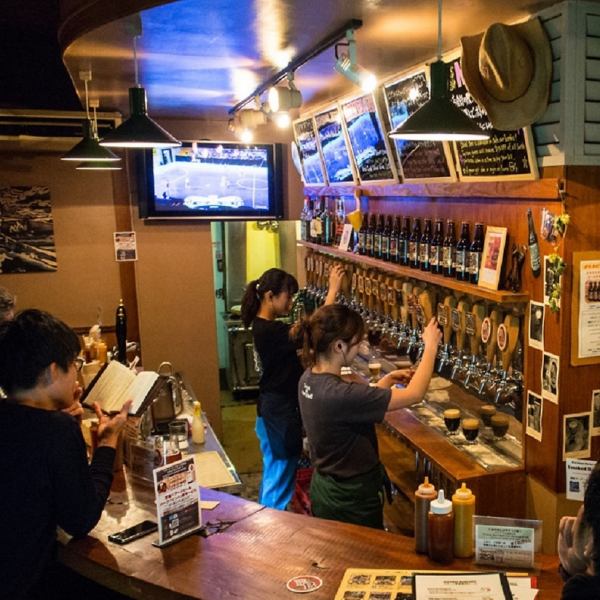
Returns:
<point x="550" y="374"/>
<point x="534" y="415"/>
<point x="536" y="325"/>
<point x="595" y="412"/>
<point x="576" y="435"/>
<point x="491" y="260"/>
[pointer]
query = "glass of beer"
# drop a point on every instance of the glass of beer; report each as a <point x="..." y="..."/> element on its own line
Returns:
<point x="499" y="426"/>
<point x="487" y="411"/>
<point x="452" y="420"/>
<point x="374" y="370"/>
<point x="470" y="429"/>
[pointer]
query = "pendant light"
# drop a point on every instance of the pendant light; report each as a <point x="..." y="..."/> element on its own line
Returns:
<point x="439" y="119"/>
<point x="97" y="165"/>
<point x="139" y="130"/>
<point x="88" y="149"/>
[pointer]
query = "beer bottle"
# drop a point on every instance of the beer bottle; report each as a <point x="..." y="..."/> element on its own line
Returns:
<point x="378" y="235"/>
<point x="394" y="242"/>
<point x="371" y="235"/>
<point x="362" y="235"/>
<point x="413" y="244"/>
<point x="475" y="253"/>
<point x="448" y="251"/>
<point x="534" y="247"/>
<point x="403" y="257"/>
<point x="425" y="247"/>
<point x="435" y="258"/>
<point x="462" y="249"/>
<point x="327" y="222"/>
<point x="386" y="239"/>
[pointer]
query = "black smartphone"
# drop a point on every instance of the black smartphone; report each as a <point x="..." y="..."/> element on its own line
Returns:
<point x="133" y="533"/>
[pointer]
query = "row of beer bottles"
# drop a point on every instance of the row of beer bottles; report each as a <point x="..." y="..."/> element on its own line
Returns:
<point x="394" y="240"/>
<point x="319" y="224"/>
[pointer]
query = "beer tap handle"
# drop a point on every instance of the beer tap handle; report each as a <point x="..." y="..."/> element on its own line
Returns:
<point x="494" y="318"/>
<point x="478" y="312"/>
<point x="427" y="304"/>
<point x="449" y="305"/>
<point x="413" y="303"/>
<point x="463" y="307"/>
<point x="511" y="324"/>
<point x="406" y="292"/>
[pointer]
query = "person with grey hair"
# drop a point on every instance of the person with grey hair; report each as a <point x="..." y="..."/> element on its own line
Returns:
<point x="7" y="305"/>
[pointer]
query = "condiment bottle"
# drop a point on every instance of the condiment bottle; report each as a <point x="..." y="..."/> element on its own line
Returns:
<point x="463" y="504"/>
<point x="440" y="524"/>
<point x="423" y="496"/>
<point x="101" y="352"/>
<point x="197" y="424"/>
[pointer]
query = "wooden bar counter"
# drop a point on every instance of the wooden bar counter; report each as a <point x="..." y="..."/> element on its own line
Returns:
<point x="253" y="556"/>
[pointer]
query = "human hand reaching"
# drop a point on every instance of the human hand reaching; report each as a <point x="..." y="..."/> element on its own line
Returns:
<point x="110" y="427"/>
<point x="432" y="335"/>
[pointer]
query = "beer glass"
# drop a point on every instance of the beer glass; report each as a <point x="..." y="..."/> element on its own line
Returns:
<point x="452" y="420"/>
<point x="470" y="428"/>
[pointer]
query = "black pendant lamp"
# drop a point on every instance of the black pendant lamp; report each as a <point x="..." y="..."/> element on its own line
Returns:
<point x="96" y="165"/>
<point x="439" y="119"/>
<point x="139" y="130"/>
<point x="88" y="149"/>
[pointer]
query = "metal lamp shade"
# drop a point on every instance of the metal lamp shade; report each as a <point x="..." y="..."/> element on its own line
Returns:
<point x="96" y="165"/>
<point x="139" y="130"/>
<point x="439" y="119"/>
<point x="89" y="148"/>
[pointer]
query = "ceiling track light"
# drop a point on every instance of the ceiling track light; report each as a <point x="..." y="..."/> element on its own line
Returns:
<point x="283" y="98"/>
<point x="139" y="130"/>
<point x="439" y="119"/>
<point x="347" y="65"/>
<point x="88" y="149"/>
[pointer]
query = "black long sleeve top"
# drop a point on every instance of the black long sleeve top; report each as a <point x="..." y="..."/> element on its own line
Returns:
<point x="46" y="481"/>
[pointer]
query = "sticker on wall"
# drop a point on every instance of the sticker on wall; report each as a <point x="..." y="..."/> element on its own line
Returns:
<point x="595" y="412"/>
<point x="26" y="230"/>
<point x="535" y="405"/>
<point x="551" y="281"/>
<point x="550" y="374"/>
<point x="536" y="325"/>
<point x="125" y="246"/>
<point x="578" y="473"/>
<point x="577" y="435"/>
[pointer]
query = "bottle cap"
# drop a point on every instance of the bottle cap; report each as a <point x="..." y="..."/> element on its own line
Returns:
<point x="441" y="506"/>
<point x="426" y="487"/>
<point x="463" y="493"/>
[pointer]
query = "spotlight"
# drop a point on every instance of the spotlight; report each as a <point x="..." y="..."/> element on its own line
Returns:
<point x="246" y="136"/>
<point x="251" y="118"/>
<point x="285" y="98"/>
<point x="282" y="120"/>
<point x="346" y="65"/>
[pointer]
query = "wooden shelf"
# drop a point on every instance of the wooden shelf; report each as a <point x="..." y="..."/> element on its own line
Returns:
<point x="498" y="296"/>
<point x="546" y="188"/>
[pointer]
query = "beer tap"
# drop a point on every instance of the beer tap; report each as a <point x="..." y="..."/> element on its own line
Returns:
<point x="406" y="291"/>
<point x="507" y="387"/>
<point x="425" y="307"/>
<point x="443" y="362"/>
<point x="462" y="357"/>
<point x="478" y="363"/>
<point x="413" y="340"/>
<point x="489" y="332"/>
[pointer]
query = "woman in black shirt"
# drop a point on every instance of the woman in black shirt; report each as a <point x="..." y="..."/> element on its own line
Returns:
<point x="278" y="423"/>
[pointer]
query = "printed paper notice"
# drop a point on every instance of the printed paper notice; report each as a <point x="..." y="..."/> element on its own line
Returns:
<point x="578" y="472"/>
<point x="448" y="586"/>
<point x="589" y="309"/>
<point x="504" y="546"/>
<point x="177" y="500"/>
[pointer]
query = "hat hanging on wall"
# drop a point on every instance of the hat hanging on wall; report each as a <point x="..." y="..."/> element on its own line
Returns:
<point x="508" y="70"/>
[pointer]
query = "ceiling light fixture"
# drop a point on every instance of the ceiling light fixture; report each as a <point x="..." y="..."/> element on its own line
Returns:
<point x="347" y="65"/>
<point x="282" y="98"/>
<point x="88" y="149"/>
<point x="439" y="119"/>
<point x="139" y="130"/>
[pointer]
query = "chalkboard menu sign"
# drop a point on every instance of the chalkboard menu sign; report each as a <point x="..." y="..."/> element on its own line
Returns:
<point x="334" y="148"/>
<point x="418" y="160"/>
<point x="506" y="155"/>
<point x="306" y="138"/>
<point x="369" y="146"/>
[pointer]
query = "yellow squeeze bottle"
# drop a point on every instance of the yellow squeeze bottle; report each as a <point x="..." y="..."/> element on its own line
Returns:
<point x="197" y="424"/>
<point x="463" y="503"/>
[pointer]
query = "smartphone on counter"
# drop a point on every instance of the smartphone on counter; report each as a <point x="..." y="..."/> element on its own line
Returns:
<point x="133" y="533"/>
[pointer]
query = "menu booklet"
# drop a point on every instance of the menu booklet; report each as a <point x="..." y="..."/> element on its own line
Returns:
<point x="456" y="586"/>
<point x="115" y="383"/>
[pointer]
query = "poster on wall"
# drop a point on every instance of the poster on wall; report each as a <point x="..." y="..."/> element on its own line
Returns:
<point x="368" y="141"/>
<point x="334" y="148"/>
<point x="576" y="435"/>
<point x="310" y="157"/>
<point x="506" y="155"/>
<point x="125" y="246"/>
<point x="589" y="308"/>
<point x="26" y="230"/>
<point x="418" y="160"/>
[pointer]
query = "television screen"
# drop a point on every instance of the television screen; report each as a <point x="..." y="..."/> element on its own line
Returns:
<point x="212" y="180"/>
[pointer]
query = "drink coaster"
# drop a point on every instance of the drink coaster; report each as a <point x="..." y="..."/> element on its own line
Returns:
<point x="304" y="584"/>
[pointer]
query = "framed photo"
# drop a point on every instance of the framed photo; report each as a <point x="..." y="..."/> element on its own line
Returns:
<point x="368" y="141"/>
<point x="550" y="376"/>
<point x="576" y="435"/>
<point x="334" y="147"/>
<point x="595" y="412"/>
<point x="312" y="167"/>
<point x="491" y="260"/>
<point x="417" y="160"/>
<point x="537" y="314"/>
<point x="535" y="405"/>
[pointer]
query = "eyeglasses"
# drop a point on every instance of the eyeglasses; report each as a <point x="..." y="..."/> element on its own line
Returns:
<point x="78" y="362"/>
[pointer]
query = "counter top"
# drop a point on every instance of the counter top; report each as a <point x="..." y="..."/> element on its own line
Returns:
<point x="253" y="556"/>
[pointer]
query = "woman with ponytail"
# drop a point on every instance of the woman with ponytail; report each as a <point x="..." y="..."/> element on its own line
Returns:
<point x="339" y="416"/>
<point x="278" y="423"/>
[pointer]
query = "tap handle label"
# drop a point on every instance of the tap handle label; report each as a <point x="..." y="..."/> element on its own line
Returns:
<point x="502" y="337"/>
<point x="442" y="315"/>
<point x="455" y="319"/>
<point x="486" y="330"/>
<point x="470" y="323"/>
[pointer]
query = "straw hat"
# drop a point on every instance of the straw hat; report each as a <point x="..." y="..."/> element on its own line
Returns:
<point x="508" y="70"/>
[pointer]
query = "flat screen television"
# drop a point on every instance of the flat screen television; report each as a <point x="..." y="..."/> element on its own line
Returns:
<point x="211" y="180"/>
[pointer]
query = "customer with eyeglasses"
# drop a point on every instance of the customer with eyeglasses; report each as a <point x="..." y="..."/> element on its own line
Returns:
<point x="47" y="481"/>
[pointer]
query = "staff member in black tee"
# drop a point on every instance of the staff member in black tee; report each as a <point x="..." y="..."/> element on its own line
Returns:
<point x="339" y="417"/>
<point x="278" y="423"/>
<point x="46" y="479"/>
